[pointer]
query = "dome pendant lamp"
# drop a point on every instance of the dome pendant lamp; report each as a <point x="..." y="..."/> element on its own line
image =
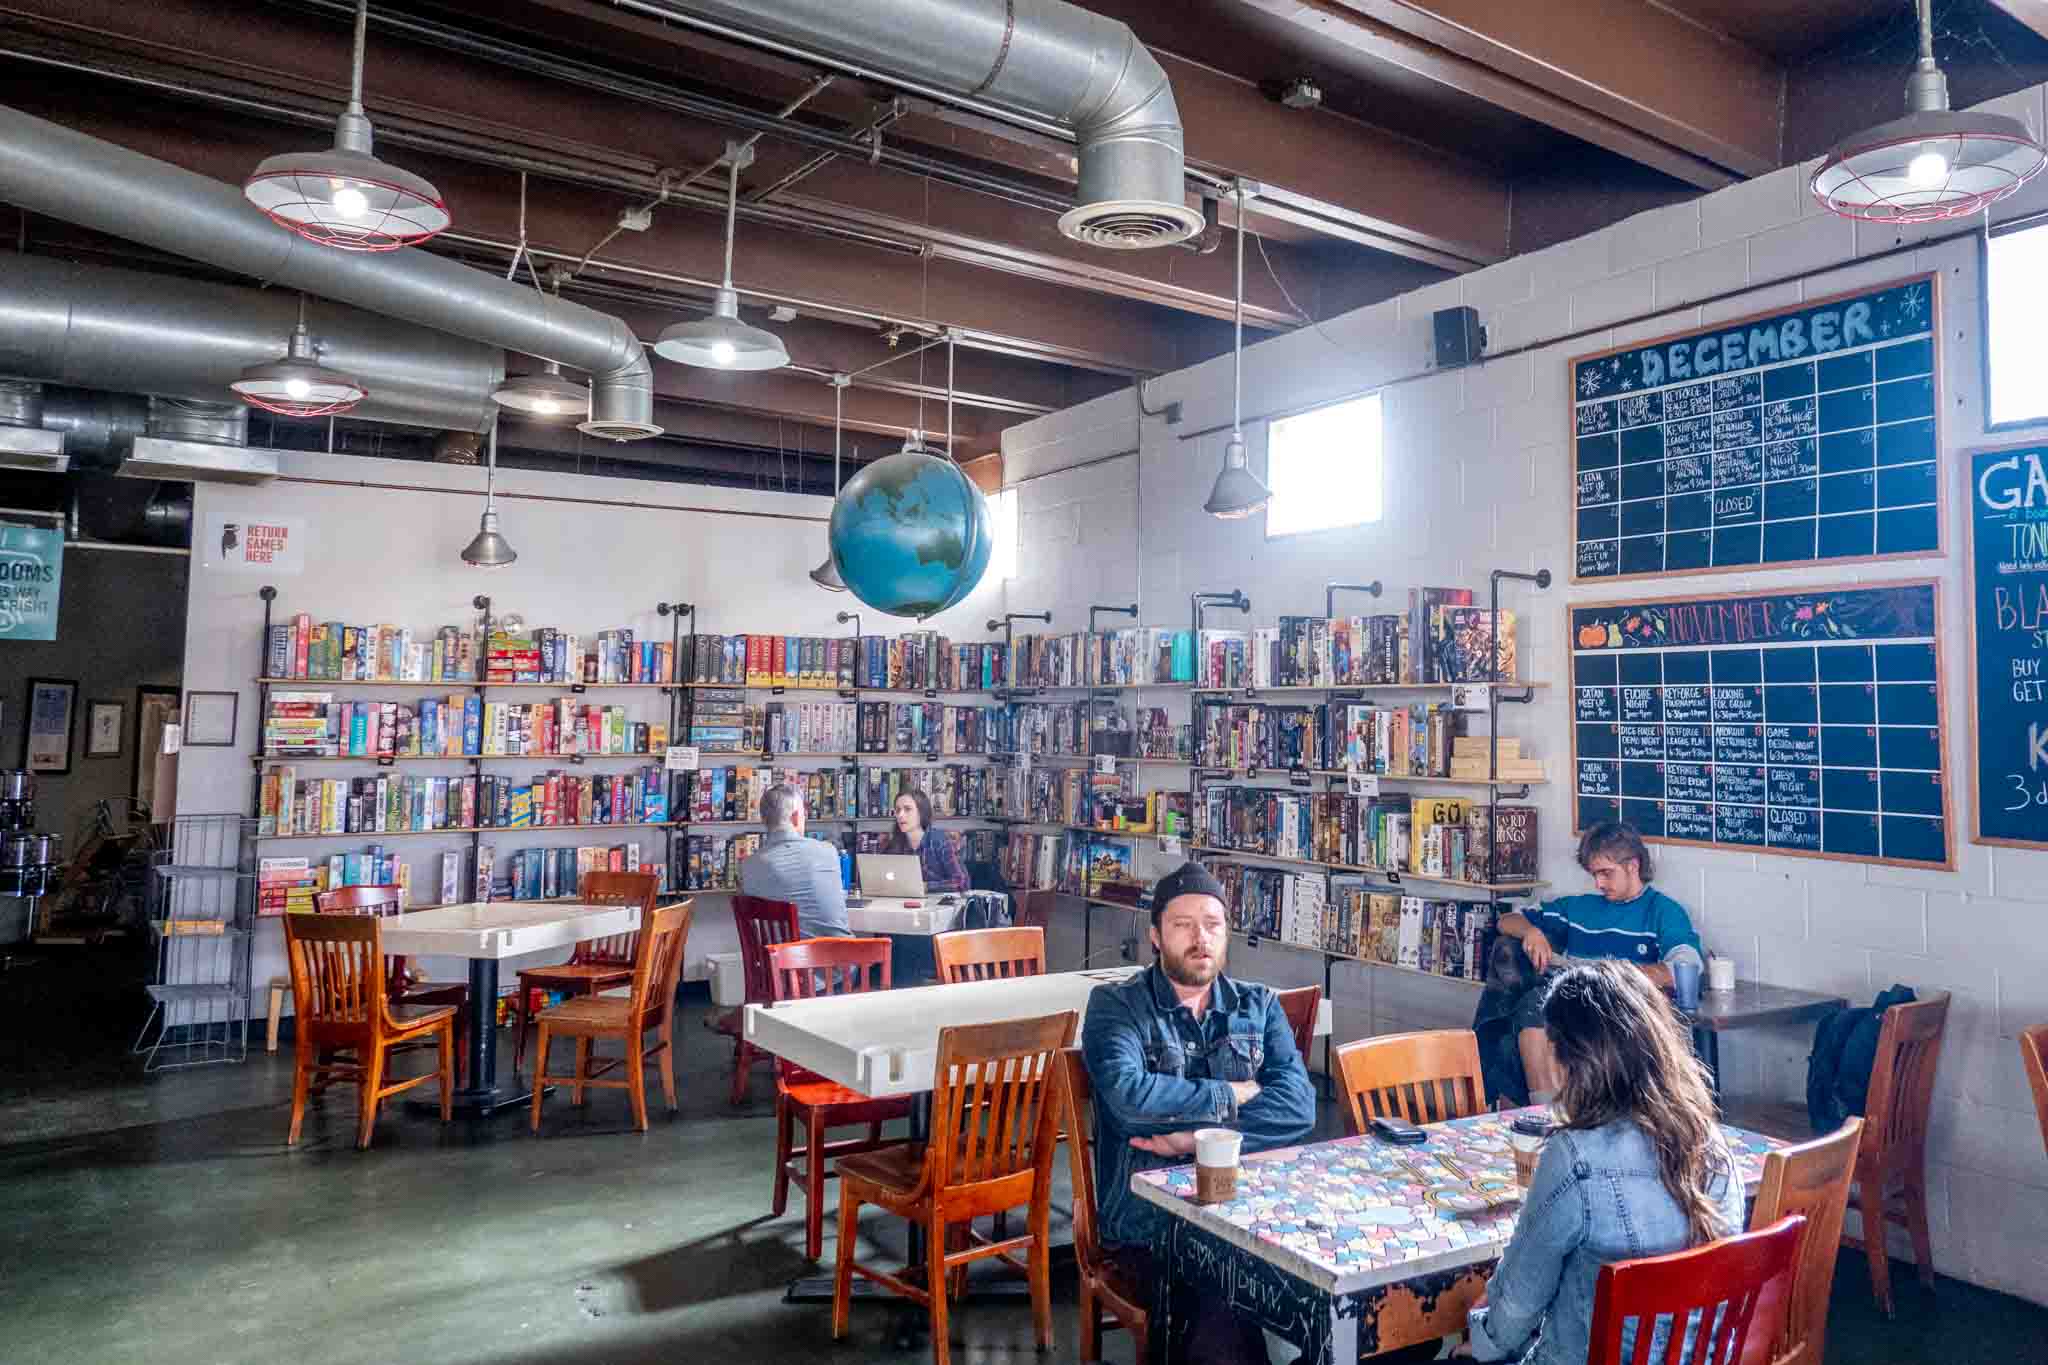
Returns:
<point x="490" y="550"/>
<point x="544" y="395"/>
<point x="1238" y="492"/>
<point x="722" y="341"/>
<point x="344" y="197"/>
<point x="299" y="385"/>
<point x="1932" y="164"/>
<point x="826" y="575"/>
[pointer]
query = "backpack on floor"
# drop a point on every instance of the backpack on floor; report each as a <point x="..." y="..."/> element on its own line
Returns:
<point x="985" y="910"/>
<point x="1844" y="1051"/>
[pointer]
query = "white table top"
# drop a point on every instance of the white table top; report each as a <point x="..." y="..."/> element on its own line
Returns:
<point x="502" y="929"/>
<point x="884" y="1043"/>
<point x="887" y="915"/>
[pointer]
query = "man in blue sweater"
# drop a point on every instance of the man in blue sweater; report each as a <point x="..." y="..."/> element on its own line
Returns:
<point x="1626" y="918"/>
<point x="1177" y="1047"/>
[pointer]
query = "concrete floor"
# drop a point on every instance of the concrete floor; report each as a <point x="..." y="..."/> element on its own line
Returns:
<point x="163" y="1219"/>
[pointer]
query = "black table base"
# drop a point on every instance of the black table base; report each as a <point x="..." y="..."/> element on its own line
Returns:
<point x="483" y="1097"/>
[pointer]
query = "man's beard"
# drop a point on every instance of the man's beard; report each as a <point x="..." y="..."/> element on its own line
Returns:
<point x="1184" y="972"/>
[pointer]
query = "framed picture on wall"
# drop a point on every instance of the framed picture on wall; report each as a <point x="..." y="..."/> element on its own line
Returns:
<point x="155" y="708"/>
<point x="210" y="719"/>
<point x="52" y="711"/>
<point x="104" y="722"/>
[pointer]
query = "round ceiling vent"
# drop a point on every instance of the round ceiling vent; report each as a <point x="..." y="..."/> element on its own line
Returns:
<point x="614" y="430"/>
<point x="1130" y="224"/>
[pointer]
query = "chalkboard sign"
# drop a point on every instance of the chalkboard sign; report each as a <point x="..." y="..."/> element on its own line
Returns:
<point x="1804" y="723"/>
<point x="2008" y="499"/>
<point x="1801" y="436"/>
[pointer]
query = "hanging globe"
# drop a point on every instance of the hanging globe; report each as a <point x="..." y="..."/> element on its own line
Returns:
<point x="911" y="534"/>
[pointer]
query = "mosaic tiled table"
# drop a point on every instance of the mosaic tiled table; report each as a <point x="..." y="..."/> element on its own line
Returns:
<point x="1351" y="1245"/>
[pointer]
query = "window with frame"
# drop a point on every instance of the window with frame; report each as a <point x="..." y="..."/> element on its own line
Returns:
<point x="1324" y="467"/>
<point x="2015" y="325"/>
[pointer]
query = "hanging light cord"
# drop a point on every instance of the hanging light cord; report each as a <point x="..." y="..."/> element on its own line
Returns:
<point x="355" y="81"/>
<point x="1926" y="15"/>
<point x="491" y="469"/>
<point x="732" y="208"/>
<point x="950" y="451"/>
<point x="1237" y="345"/>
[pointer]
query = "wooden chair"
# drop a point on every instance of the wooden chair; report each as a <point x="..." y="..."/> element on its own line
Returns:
<point x="344" y="1006"/>
<point x="2034" y="1054"/>
<point x="1416" y="1077"/>
<point x="1300" y="1006"/>
<point x="1739" y="1287"/>
<point x="405" y="988"/>
<point x="988" y="954"/>
<point x="1103" y="1283"/>
<point x="762" y="924"/>
<point x="598" y="964"/>
<point x="993" y="1117"/>
<point x="1891" y="1162"/>
<point x="799" y="970"/>
<point x="650" y="1003"/>
<point x="1811" y="1180"/>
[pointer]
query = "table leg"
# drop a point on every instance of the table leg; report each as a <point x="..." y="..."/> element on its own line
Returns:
<point x="482" y="1098"/>
<point x="1706" y="1043"/>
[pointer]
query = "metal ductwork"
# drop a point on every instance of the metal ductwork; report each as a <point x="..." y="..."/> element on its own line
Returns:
<point x="1042" y="63"/>
<point x="68" y="175"/>
<point x="98" y="327"/>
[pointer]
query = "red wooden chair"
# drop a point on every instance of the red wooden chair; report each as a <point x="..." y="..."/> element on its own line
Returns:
<point x="1740" y="1287"/>
<point x="402" y="987"/>
<point x="762" y="924"/>
<point x="1300" y="1006"/>
<point x="799" y="970"/>
<point x="598" y="964"/>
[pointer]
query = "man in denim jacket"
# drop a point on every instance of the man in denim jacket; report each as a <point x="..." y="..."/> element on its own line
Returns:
<point x="1181" y="1046"/>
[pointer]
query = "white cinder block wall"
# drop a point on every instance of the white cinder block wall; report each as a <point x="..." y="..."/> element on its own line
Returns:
<point x="1478" y="476"/>
<point x="594" y="554"/>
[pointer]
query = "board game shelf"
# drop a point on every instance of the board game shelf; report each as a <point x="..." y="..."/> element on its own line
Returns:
<point x="394" y="760"/>
<point x="1394" y="874"/>
<point x="315" y="684"/>
<point x="373" y="834"/>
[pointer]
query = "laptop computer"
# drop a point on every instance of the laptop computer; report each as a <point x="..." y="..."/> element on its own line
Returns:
<point x="897" y="876"/>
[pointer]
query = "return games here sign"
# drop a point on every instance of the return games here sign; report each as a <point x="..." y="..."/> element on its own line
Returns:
<point x="1801" y="436"/>
<point x="1803" y="723"/>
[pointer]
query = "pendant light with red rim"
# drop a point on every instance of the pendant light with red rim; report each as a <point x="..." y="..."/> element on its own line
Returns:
<point x="1934" y="163"/>
<point x="343" y="196"/>
<point x="299" y="385"/>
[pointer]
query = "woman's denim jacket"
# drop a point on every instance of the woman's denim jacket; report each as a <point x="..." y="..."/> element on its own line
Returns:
<point x="1596" y="1198"/>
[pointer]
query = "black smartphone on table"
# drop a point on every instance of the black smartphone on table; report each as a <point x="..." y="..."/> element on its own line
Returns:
<point x="1399" y="1133"/>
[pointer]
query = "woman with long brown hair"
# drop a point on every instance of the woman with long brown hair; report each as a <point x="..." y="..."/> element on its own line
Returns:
<point x="1636" y="1167"/>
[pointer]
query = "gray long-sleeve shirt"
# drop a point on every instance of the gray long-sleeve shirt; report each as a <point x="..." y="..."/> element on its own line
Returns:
<point x="805" y="872"/>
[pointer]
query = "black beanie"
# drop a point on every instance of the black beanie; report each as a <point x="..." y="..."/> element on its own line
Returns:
<point x="1189" y="879"/>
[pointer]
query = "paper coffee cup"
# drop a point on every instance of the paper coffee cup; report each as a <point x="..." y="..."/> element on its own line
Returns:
<point x="1216" y="1153"/>
<point x="1526" y="1136"/>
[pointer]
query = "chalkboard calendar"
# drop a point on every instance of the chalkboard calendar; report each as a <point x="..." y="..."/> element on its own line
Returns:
<point x="1804" y="723"/>
<point x="2008" y="501"/>
<point x="1800" y="436"/>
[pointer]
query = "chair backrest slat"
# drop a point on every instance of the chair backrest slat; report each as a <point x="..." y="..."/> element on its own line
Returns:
<point x="1811" y="1180"/>
<point x="1737" y="1290"/>
<point x="1415" y="1077"/>
<point x="1902" y="1080"/>
<point x="615" y="888"/>
<point x="2034" y="1054"/>
<point x="989" y="954"/>
<point x="761" y="923"/>
<point x="991" y="1111"/>
<point x="664" y="935"/>
<point x="1300" y="1006"/>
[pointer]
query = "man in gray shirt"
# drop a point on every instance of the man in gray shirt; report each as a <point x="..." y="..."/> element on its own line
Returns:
<point x="791" y="867"/>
